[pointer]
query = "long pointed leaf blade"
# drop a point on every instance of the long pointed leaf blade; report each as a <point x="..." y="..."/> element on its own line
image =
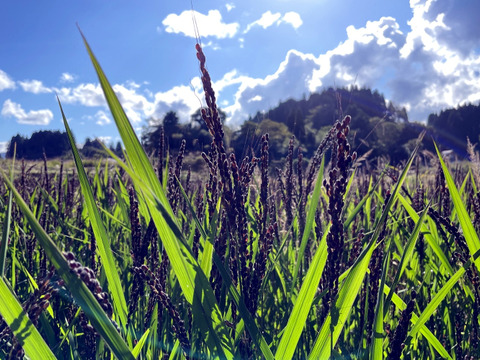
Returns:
<point x="407" y="253"/>
<point x="310" y="219"/>
<point x="469" y="232"/>
<point x="79" y="290"/>
<point x="23" y="329"/>
<point x="103" y="242"/>
<point x="345" y="300"/>
<point x="437" y="345"/>
<point x="376" y="350"/>
<point x="248" y="320"/>
<point x="437" y="299"/>
<point x="353" y="281"/>
<point x="427" y="235"/>
<point x="303" y="304"/>
<point x="6" y="228"/>
<point x="195" y="285"/>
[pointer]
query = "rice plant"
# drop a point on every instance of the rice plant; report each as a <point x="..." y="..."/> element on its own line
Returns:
<point x="320" y="259"/>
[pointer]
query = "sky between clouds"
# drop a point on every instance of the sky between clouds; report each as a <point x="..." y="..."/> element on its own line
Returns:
<point x="424" y="55"/>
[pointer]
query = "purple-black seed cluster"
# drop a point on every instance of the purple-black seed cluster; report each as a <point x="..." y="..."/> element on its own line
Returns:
<point x="335" y="187"/>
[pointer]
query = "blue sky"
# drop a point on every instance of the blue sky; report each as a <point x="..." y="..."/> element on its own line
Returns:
<point x="422" y="54"/>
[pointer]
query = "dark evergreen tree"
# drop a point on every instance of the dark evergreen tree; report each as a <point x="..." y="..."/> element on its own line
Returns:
<point x="52" y="143"/>
<point x="93" y="148"/>
<point x="452" y="126"/>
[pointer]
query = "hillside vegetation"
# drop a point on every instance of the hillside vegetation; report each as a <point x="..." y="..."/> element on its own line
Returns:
<point x="380" y="128"/>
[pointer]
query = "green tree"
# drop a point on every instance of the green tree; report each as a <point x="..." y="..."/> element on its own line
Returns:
<point x="52" y="143"/>
<point x="93" y="148"/>
<point x="248" y="138"/>
<point x="171" y="128"/>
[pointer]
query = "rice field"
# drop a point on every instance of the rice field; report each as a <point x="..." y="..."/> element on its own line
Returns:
<point x="325" y="258"/>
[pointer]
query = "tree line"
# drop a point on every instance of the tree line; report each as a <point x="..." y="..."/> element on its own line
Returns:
<point x="378" y="127"/>
<point x="53" y="144"/>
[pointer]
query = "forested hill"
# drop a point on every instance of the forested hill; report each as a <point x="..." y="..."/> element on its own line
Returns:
<point x="376" y="126"/>
<point x="453" y="126"/>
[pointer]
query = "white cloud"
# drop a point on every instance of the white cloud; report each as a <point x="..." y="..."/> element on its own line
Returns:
<point x="102" y="118"/>
<point x="5" y="81"/>
<point x="268" y="19"/>
<point x="3" y="146"/>
<point x="212" y="45"/>
<point x="83" y="94"/>
<point x="293" y="19"/>
<point x="181" y="99"/>
<point x="425" y="70"/>
<point x="135" y="105"/>
<point x="34" y="86"/>
<point x="291" y="79"/>
<point x="453" y="26"/>
<point x="67" y="77"/>
<point x="208" y="25"/>
<point x="230" y="6"/>
<point x="105" y="139"/>
<point x="33" y="117"/>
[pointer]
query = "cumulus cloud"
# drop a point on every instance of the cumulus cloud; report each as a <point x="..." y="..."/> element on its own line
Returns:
<point x="211" y="24"/>
<point x="181" y="99"/>
<point x="426" y="69"/>
<point x="33" y="117"/>
<point x="134" y="104"/>
<point x="439" y="57"/>
<point x="5" y="81"/>
<point x="34" y="87"/>
<point x="455" y="27"/>
<point x="67" y="77"/>
<point x="291" y="79"/>
<point x="105" y="139"/>
<point x="3" y="146"/>
<point x="230" y="6"/>
<point x="293" y="19"/>
<point x="367" y="55"/>
<point x="102" y="118"/>
<point x="268" y="19"/>
<point x="83" y="94"/>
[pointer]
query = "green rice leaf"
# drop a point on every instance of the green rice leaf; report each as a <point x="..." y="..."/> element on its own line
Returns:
<point x="436" y="300"/>
<point x="103" y="242"/>
<point x="407" y="253"/>
<point x="23" y="329"/>
<point x="138" y="348"/>
<point x="310" y="220"/>
<point x="345" y="299"/>
<point x="239" y="301"/>
<point x="469" y="232"/>
<point x="427" y="235"/>
<point x="79" y="290"/>
<point x="348" y="292"/>
<point x="6" y="223"/>
<point x="376" y="349"/>
<point x="437" y="345"/>
<point x="193" y="281"/>
<point x="303" y="304"/>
